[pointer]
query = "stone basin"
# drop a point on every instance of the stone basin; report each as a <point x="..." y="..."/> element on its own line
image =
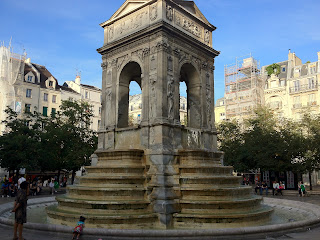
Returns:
<point x="287" y="217"/>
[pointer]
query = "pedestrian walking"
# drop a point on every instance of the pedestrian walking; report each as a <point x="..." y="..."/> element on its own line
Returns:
<point x="20" y="210"/>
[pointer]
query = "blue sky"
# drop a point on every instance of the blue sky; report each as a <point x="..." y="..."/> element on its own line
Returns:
<point x="64" y="35"/>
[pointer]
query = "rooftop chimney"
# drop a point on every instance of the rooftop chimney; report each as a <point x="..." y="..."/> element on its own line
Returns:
<point x="77" y="80"/>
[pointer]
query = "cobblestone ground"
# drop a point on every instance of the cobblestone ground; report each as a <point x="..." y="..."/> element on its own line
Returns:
<point x="6" y="232"/>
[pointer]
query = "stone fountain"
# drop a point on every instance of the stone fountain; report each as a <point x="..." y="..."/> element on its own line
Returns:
<point x="160" y="174"/>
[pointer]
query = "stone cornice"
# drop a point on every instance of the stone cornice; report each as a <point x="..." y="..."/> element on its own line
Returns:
<point x="151" y="30"/>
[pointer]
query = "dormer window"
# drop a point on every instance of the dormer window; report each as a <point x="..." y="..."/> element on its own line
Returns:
<point x="29" y="78"/>
<point x="50" y="83"/>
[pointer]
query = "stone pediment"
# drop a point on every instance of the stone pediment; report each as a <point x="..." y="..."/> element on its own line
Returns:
<point x="191" y="7"/>
<point x="128" y="6"/>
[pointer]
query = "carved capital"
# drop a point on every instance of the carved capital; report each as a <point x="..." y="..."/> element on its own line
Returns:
<point x="104" y="65"/>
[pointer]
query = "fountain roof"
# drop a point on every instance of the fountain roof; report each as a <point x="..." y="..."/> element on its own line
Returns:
<point x="130" y="6"/>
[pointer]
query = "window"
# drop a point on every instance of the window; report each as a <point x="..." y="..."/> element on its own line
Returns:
<point x="54" y="98"/>
<point x="50" y="83"/>
<point x="28" y="93"/>
<point x="283" y="69"/>
<point x="86" y="95"/>
<point x="297" y="72"/>
<point x="183" y="106"/>
<point x="274" y="84"/>
<point x="45" y="97"/>
<point x="296" y="102"/>
<point x="312" y="99"/>
<point x="27" y="108"/>
<point x="45" y="111"/>
<point x="70" y="99"/>
<point x="296" y="85"/>
<point x="282" y="83"/>
<point x="311" y="83"/>
<point x="313" y="69"/>
<point x="99" y="110"/>
<point x="53" y="111"/>
<point x="29" y="79"/>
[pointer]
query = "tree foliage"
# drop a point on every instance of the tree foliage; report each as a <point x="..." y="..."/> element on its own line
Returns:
<point x="61" y="141"/>
<point x="273" y="69"/>
<point x="261" y="142"/>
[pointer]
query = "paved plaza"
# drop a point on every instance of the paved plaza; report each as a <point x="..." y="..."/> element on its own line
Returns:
<point x="312" y="234"/>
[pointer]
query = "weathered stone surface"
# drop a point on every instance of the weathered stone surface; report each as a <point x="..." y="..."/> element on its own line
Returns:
<point x="159" y="174"/>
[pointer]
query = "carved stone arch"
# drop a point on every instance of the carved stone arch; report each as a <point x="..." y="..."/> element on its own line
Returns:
<point x="130" y="58"/>
<point x="275" y="104"/>
<point x="130" y="71"/>
<point x="190" y="74"/>
<point x="188" y="61"/>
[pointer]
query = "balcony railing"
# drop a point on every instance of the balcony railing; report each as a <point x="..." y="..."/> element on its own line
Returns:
<point x="304" y="88"/>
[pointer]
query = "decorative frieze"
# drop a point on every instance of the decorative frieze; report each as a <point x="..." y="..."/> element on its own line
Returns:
<point x="206" y="36"/>
<point x="153" y="12"/>
<point x="188" y="25"/>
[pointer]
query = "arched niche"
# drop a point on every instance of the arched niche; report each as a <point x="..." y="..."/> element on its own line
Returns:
<point x="130" y="72"/>
<point x="191" y="77"/>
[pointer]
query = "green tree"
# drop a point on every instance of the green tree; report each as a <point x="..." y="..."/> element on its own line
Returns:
<point x="20" y="143"/>
<point x="62" y="141"/>
<point x="261" y="141"/>
<point x="310" y="149"/>
<point x="68" y="142"/>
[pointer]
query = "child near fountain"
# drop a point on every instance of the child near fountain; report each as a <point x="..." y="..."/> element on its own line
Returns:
<point x="77" y="231"/>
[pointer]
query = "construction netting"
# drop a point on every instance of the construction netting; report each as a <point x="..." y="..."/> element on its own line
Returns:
<point x="10" y="70"/>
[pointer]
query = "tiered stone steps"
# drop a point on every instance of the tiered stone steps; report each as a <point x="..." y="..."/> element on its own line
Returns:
<point x="211" y="197"/>
<point x="111" y="195"/>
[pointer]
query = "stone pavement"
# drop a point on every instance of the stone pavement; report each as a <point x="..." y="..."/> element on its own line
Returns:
<point x="6" y="232"/>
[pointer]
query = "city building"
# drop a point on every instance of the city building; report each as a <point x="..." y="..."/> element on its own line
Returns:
<point x="294" y="88"/>
<point x="289" y="88"/>
<point x="90" y="94"/>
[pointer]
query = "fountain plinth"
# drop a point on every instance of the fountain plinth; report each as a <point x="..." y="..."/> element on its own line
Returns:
<point x="159" y="175"/>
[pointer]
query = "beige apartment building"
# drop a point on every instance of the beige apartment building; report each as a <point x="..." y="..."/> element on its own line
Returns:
<point x="288" y="92"/>
<point x="220" y="110"/>
<point x="90" y="94"/>
<point x="295" y="89"/>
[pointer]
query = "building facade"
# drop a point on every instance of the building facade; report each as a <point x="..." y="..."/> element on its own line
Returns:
<point x="90" y="94"/>
<point x="291" y="90"/>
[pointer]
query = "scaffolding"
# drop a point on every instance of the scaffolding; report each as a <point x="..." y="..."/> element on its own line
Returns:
<point x="10" y="71"/>
<point x="243" y="87"/>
